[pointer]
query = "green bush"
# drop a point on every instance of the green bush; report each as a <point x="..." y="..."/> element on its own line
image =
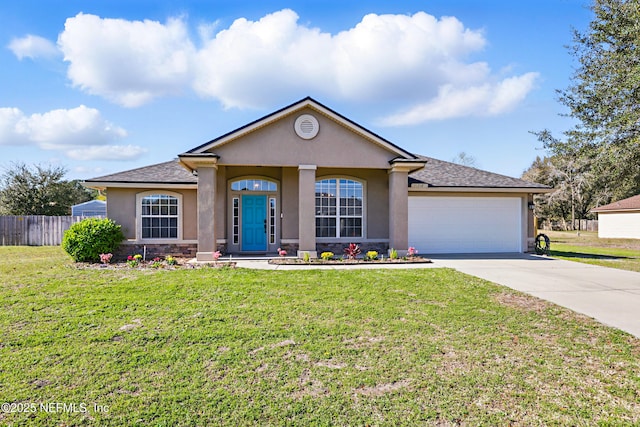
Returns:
<point x="87" y="239"/>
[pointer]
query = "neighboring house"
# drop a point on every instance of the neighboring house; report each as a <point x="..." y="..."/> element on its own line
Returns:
<point x="90" y="209"/>
<point x="307" y="179"/>
<point x="620" y="219"/>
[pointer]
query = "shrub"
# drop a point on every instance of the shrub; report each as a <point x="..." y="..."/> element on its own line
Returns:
<point x="352" y="251"/>
<point x="371" y="255"/>
<point x="393" y="254"/>
<point x="87" y="239"/>
<point x="326" y="255"/>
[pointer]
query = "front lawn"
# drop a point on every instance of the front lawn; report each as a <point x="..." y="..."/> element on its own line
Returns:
<point x="588" y="248"/>
<point x="243" y="347"/>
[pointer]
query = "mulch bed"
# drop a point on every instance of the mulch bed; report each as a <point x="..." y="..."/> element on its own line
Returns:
<point x="297" y="261"/>
<point x="182" y="264"/>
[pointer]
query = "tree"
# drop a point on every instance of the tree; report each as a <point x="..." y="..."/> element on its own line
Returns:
<point x="604" y="98"/>
<point x="575" y="184"/>
<point x="39" y="190"/>
<point x="465" y="159"/>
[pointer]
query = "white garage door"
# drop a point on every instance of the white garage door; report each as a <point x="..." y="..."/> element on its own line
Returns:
<point x="465" y="224"/>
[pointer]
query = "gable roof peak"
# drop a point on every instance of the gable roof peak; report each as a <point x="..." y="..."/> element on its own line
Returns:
<point x="307" y="102"/>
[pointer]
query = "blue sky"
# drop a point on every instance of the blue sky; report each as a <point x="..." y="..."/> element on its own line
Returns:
<point x="105" y="86"/>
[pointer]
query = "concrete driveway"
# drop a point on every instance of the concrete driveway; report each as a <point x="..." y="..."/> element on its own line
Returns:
<point x="610" y="296"/>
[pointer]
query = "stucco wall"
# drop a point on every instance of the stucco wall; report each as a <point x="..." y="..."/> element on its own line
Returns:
<point x="278" y="145"/>
<point x="376" y="198"/>
<point x="121" y="208"/>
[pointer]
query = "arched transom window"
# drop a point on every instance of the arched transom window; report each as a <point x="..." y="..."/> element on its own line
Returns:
<point x="339" y="208"/>
<point x="254" y="185"/>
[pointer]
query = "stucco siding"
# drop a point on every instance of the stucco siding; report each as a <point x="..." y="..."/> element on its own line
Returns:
<point x="289" y="208"/>
<point x="619" y="225"/>
<point x="121" y="208"/>
<point x="278" y="145"/>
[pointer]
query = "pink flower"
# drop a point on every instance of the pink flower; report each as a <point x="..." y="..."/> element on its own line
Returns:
<point x="412" y="251"/>
<point x="130" y="258"/>
<point x="282" y="252"/>
<point x="216" y="255"/>
<point x="106" y="258"/>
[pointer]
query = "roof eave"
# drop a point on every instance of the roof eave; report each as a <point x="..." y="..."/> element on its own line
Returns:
<point x="103" y="185"/>
<point x="469" y="189"/>
<point x="192" y="161"/>
<point x="628" y="210"/>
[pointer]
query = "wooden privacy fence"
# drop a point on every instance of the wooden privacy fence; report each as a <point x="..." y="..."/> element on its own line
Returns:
<point x="579" y="224"/>
<point x="34" y="230"/>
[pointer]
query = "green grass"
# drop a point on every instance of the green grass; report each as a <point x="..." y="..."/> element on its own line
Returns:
<point x="243" y="347"/>
<point x="587" y="248"/>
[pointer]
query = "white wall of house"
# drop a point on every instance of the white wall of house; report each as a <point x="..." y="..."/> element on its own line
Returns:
<point x="619" y="225"/>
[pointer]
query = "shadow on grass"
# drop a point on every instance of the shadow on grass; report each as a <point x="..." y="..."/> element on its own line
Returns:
<point x="588" y="256"/>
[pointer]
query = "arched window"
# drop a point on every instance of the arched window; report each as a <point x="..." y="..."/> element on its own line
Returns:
<point x="254" y="185"/>
<point x="339" y="208"/>
<point x="159" y="216"/>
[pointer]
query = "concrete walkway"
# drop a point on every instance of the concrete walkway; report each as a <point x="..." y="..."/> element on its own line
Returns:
<point x="608" y="295"/>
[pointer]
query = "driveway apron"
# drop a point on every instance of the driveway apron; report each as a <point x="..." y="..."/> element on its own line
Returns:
<point x="608" y="295"/>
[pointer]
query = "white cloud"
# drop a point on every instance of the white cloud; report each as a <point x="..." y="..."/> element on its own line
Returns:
<point x="482" y="100"/>
<point x="127" y="62"/>
<point x="391" y="57"/>
<point x="80" y="133"/>
<point x="33" y="47"/>
<point x="416" y="61"/>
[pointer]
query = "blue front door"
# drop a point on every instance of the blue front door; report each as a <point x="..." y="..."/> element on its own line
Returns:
<point x="254" y="223"/>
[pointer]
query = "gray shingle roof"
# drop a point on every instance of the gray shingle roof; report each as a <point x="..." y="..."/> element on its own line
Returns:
<point x="438" y="173"/>
<point x="162" y="173"/>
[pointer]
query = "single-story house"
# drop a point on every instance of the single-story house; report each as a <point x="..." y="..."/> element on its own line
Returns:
<point x="620" y="219"/>
<point x="92" y="208"/>
<point x="307" y="179"/>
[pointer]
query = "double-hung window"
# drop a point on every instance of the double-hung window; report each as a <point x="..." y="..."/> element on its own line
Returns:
<point x="159" y="216"/>
<point x="339" y="208"/>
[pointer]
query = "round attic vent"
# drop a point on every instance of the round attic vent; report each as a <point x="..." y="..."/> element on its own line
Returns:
<point x="306" y="126"/>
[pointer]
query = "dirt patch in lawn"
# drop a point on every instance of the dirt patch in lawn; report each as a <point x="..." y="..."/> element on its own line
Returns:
<point x="382" y="389"/>
<point x="522" y="302"/>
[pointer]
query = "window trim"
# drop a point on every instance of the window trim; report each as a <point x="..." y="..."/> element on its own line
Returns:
<point x="142" y="195"/>
<point x="337" y="216"/>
